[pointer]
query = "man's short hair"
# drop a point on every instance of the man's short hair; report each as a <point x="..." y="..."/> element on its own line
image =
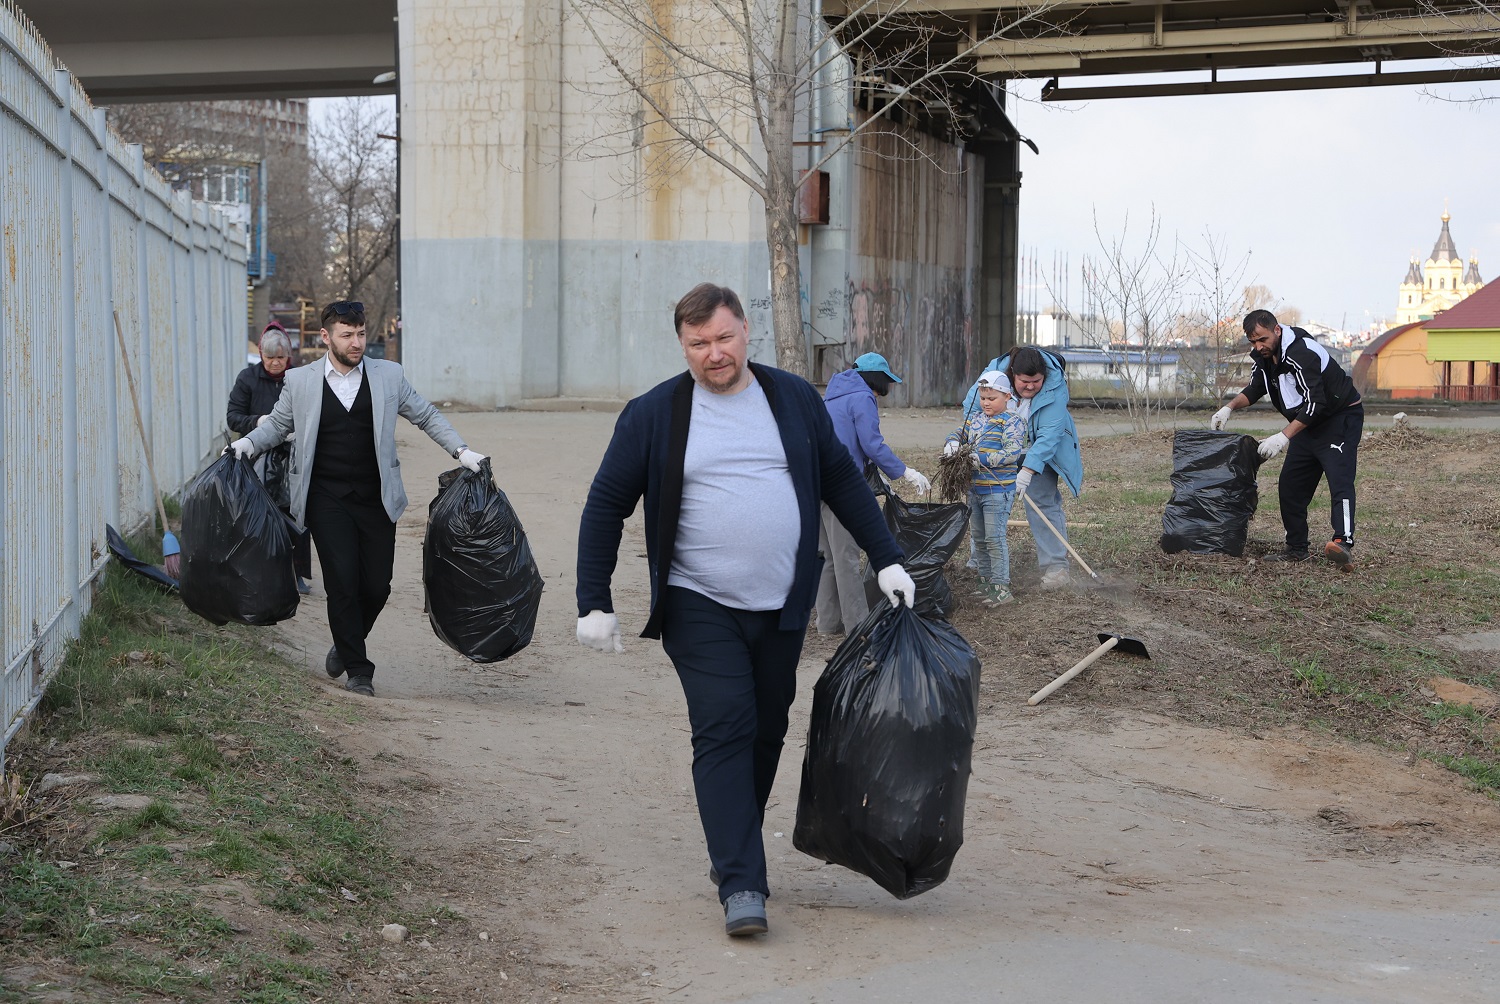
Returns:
<point x="1259" y="319"/>
<point x="350" y="312"/>
<point x="1027" y="361"/>
<point x="700" y="303"/>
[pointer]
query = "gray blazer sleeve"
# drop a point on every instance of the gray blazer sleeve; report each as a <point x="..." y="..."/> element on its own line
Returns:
<point x="274" y="432"/>
<point x="420" y="412"/>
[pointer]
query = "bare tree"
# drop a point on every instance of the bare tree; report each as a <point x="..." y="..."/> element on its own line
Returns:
<point x="1134" y="291"/>
<point x="354" y="185"/>
<point x="1260" y="297"/>
<point x="725" y="79"/>
<point x="1217" y="279"/>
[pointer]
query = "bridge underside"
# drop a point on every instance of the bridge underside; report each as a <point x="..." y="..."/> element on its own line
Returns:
<point x="168" y="50"/>
<point x="1014" y="39"/>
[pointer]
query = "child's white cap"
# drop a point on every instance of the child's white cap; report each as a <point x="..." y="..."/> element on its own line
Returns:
<point x="995" y="380"/>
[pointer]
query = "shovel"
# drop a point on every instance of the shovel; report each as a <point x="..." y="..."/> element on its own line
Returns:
<point x="1130" y="646"/>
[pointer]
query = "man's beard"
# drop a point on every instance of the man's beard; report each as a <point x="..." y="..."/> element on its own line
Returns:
<point x="342" y="358"/>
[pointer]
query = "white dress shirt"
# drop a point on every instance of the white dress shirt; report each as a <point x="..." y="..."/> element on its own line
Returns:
<point x="345" y="385"/>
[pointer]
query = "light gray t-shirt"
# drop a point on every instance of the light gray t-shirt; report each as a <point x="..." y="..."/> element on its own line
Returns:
<point x="739" y="528"/>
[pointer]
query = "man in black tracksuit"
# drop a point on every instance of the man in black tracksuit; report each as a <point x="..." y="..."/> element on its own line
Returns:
<point x="1325" y="419"/>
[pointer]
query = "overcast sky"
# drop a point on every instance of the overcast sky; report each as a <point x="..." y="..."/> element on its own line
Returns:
<point x="1346" y="185"/>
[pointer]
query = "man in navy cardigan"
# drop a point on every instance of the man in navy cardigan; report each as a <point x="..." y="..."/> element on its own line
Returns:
<point x="733" y="459"/>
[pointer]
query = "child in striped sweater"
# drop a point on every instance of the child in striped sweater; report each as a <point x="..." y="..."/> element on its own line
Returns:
<point x="999" y="438"/>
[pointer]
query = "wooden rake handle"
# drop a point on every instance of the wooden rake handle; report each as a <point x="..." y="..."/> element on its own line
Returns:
<point x="1058" y="534"/>
<point x="1084" y="663"/>
<point x="140" y="425"/>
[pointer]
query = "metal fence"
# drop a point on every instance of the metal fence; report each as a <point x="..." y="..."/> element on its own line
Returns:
<point x="89" y="230"/>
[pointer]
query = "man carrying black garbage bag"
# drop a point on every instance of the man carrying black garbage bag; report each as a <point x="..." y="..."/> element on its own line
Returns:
<point x="346" y="483"/>
<point x="1325" y="419"/>
<point x="733" y="459"/>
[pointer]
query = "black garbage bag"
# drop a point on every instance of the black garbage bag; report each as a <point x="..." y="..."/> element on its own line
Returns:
<point x="928" y="533"/>
<point x="126" y="557"/>
<point x="886" y="771"/>
<point x="483" y="586"/>
<point x="1213" y="492"/>
<point x="236" y="548"/>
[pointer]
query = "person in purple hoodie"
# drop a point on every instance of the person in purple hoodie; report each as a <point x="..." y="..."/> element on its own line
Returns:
<point x="850" y="399"/>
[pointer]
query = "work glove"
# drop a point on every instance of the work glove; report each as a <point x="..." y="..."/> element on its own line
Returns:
<point x="914" y="478"/>
<point x="1023" y="480"/>
<point x="893" y="579"/>
<point x="243" y="449"/>
<point x="974" y="460"/>
<point x="262" y="420"/>
<point x="1271" y="446"/>
<point x="950" y="447"/>
<point x="600" y="630"/>
<point x="471" y="460"/>
<point x="1221" y="417"/>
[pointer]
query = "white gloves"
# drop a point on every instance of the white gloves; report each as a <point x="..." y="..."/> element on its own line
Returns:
<point x="262" y="420"/>
<point x="1271" y="445"/>
<point x="601" y="631"/>
<point x="950" y="448"/>
<point x="891" y="579"/>
<point x="914" y="478"/>
<point x="1220" y="418"/>
<point x="243" y="449"/>
<point x="472" y="460"/>
<point x="1023" y="480"/>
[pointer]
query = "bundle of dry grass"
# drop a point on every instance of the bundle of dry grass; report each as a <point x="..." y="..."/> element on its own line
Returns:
<point x="1401" y="436"/>
<point x="955" y="474"/>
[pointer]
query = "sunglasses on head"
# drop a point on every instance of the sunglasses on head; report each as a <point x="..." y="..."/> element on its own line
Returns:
<point x="347" y="307"/>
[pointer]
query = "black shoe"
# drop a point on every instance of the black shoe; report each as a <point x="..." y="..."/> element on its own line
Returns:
<point x="361" y="685"/>
<point x="333" y="665"/>
<point x="1340" y="553"/>
<point x="1287" y="556"/>
<point x="713" y="876"/>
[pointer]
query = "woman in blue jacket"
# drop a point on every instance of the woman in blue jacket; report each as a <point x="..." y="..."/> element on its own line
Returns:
<point x="1051" y="449"/>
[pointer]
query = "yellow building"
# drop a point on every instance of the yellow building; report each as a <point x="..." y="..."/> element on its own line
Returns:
<point x="1464" y="343"/>
<point x="1440" y="282"/>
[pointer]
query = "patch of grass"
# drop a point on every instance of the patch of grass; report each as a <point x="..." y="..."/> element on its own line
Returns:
<point x="217" y="729"/>
<point x="1484" y="773"/>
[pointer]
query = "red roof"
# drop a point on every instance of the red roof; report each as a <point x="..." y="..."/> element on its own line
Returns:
<point x="1479" y="310"/>
<point x="1374" y="347"/>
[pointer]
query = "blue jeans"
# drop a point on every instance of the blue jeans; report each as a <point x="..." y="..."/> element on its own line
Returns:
<point x="987" y="516"/>
<point x="1050" y="552"/>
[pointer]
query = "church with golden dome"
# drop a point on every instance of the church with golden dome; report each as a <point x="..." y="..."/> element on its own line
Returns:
<point x="1438" y="283"/>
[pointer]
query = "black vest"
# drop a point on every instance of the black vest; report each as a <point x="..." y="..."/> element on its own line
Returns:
<point x="344" y="461"/>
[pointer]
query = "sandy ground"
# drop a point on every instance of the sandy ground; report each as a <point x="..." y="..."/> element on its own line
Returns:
<point x="1114" y="854"/>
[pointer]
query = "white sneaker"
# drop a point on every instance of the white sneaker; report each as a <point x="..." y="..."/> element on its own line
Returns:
<point x="1056" y="578"/>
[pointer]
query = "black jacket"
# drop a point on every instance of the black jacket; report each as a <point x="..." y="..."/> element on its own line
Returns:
<point x="254" y="394"/>
<point x="645" y="458"/>
<point x="1304" y="382"/>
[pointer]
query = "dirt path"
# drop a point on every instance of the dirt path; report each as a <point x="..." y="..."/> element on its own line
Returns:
<point x="1104" y="853"/>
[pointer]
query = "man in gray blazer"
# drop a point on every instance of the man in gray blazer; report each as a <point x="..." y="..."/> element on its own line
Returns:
<point x="345" y="477"/>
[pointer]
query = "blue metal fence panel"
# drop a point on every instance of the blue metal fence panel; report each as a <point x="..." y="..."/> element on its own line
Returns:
<point x="89" y="233"/>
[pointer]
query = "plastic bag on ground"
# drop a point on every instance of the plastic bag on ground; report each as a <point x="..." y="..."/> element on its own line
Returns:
<point x="1214" y="494"/>
<point x="887" y="767"/>
<point x="928" y="533"/>
<point x="236" y="548"/>
<point x="483" y="585"/>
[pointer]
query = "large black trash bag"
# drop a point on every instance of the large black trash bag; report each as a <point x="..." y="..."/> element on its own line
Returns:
<point x="928" y="533"/>
<point x="886" y="771"/>
<point x="236" y="548"/>
<point x="1213" y="492"/>
<point x="483" y="586"/>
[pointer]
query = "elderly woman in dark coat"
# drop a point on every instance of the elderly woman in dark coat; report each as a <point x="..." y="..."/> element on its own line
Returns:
<point x="250" y="403"/>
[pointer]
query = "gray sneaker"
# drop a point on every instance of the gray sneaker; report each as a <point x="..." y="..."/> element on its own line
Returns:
<point x="745" y="914"/>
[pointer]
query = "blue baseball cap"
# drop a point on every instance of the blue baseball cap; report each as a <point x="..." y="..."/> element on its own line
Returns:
<point x="874" y="362"/>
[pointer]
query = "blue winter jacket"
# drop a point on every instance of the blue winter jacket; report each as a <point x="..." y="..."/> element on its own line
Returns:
<point x="1052" y="438"/>
<point x="856" y="418"/>
<point x="645" y="460"/>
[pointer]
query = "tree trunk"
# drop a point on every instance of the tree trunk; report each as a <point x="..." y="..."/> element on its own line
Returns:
<point x="781" y="197"/>
<point x="786" y="281"/>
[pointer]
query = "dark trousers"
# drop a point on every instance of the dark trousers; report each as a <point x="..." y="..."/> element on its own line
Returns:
<point x="1331" y="450"/>
<point x="357" y="549"/>
<point x="739" y="674"/>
